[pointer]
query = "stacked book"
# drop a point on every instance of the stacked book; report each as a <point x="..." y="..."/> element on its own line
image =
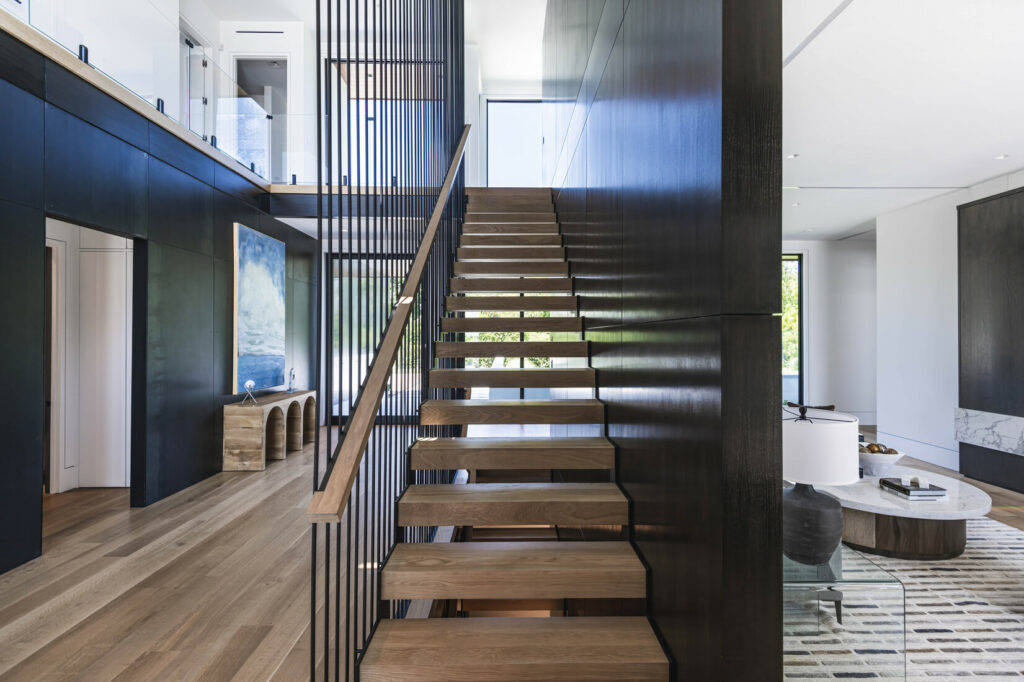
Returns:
<point x="913" y="491"/>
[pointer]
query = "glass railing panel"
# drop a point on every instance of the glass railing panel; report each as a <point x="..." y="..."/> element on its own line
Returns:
<point x="293" y="149"/>
<point x="136" y="45"/>
<point x="141" y="45"/>
<point x="18" y="8"/>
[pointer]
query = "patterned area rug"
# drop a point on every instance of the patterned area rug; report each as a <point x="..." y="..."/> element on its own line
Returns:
<point x="964" y="618"/>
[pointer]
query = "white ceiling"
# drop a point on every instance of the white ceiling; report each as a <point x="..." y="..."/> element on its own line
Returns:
<point x="893" y="102"/>
<point x="264" y="10"/>
<point x="509" y="35"/>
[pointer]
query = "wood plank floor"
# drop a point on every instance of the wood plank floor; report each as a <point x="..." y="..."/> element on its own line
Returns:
<point x="211" y="583"/>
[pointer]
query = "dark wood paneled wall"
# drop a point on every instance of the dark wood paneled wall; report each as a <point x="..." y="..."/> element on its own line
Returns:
<point x="666" y="117"/>
<point x="73" y="153"/>
<point x="991" y="298"/>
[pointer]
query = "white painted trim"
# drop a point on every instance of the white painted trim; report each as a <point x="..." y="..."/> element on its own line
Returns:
<point x="64" y="427"/>
<point x="58" y="367"/>
<point x="129" y="366"/>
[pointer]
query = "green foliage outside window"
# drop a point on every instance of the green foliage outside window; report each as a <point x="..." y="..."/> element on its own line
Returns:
<point x="790" y="315"/>
<point x="510" y="336"/>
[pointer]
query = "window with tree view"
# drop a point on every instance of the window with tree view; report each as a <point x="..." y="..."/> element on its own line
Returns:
<point x="792" y="328"/>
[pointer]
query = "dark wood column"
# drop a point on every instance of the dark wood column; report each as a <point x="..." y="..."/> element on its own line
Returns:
<point x="668" y="177"/>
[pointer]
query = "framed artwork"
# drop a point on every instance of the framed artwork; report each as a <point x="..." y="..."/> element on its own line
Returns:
<point x="259" y="309"/>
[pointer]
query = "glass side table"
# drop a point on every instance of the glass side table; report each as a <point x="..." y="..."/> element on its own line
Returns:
<point x="844" y="618"/>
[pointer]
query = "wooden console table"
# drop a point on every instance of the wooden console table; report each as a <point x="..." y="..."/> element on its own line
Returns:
<point x="276" y="423"/>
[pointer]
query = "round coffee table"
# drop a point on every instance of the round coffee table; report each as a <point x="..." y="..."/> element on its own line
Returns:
<point x="879" y="522"/>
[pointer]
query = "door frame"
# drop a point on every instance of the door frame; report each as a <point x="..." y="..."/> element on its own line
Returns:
<point x="63" y="476"/>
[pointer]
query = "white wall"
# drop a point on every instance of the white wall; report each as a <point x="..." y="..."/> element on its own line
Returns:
<point x="839" y="324"/>
<point x="201" y="20"/>
<point x="91" y="391"/>
<point x="474" y="147"/>
<point x="918" y="359"/>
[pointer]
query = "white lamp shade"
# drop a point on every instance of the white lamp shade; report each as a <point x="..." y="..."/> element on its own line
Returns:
<point x="820" y="450"/>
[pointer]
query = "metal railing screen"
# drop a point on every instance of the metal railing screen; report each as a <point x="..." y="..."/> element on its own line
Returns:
<point x="391" y="90"/>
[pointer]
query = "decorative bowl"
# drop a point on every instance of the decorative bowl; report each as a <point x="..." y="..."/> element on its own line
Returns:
<point x="877" y="463"/>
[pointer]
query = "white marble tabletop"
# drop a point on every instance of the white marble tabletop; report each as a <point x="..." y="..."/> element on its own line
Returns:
<point x="962" y="500"/>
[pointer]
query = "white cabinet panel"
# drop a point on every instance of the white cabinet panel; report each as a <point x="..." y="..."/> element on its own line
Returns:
<point x="104" y="368"/>
<point x="93" y="239"/>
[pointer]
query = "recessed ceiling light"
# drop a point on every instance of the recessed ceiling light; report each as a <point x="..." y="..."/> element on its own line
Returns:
<point x="1002" y="156"/>
<point x="792" y="156"/>
<point x="809" y="229"/>
<point x="795" y="203"/>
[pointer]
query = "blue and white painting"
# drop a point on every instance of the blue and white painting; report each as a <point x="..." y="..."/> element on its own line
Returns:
<point x="260" y="309"/>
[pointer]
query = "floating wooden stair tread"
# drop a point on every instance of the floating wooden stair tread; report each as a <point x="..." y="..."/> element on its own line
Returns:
<point x="511" y="324"/>
<point x="502" y="303"/>
<point x="511" y="240"/>
<point x="514" y="570"/>
<point x="513" y="378"/>
<point x="512" y="453"/>
<point x="511" y="261"/>
<point x="524" y="268"/>
<point x="510" y="228"/>
<point x="506" y="207"/>
<point x="513" y="504"/>
<point x="437" y="412"/>
<point x="511" y="253"/>
<point x="511" y="349"/>
<point x="509" y="217"/>
<point x="478" y="192"/>
<point x="514" y="650"/>
<point x="510" y="203"/>
<point x="512" y="285"/>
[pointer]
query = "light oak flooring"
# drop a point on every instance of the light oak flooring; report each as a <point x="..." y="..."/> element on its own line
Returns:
<point x="211" y="583"/>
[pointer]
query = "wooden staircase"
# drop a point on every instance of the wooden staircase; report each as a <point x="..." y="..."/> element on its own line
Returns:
<point x="511" y="261"/>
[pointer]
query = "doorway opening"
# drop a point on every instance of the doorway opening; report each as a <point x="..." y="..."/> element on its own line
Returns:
<point x="515" y="139"/>
<point x="89" y="323"/>
<point x="264" y="82"/>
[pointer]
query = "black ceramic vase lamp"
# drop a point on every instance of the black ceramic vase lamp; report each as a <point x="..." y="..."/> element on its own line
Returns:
<point x="819" y="447"/>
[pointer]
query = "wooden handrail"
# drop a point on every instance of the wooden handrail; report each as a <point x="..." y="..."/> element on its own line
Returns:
<point x="329" y="504"/>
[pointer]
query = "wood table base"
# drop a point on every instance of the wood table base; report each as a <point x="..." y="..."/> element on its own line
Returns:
<point x="904" y="538"/>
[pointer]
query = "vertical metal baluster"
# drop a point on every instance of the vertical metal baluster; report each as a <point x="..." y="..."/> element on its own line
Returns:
<point x="348" y="275"/>
<point x="364" y="271"/>
<point x="316" y="351"/>
<point x="356" y="226"/>
<point x="328" y="289"/>
<point x="319" y="242"/>
<point x="375" y="461"/>
<point x="312" y="605"/>
<point x="346" y="280"/>
<point x="348" y="586"/>
<point x="327" y="601"/>
<point x="337" y="275"/>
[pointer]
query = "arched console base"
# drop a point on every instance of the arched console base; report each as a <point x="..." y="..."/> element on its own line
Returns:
<point x="277" y="423"/>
